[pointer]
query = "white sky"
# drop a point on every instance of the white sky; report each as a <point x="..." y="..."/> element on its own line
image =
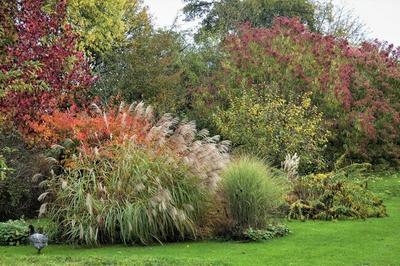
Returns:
<point x="381" y="17"/>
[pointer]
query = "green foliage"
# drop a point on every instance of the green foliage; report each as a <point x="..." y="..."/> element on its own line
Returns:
<point x="14" y="80"/>
<point x="326" y="17"/>
<point x="336" y="195"/>
<point x="3" y="168"/>
<point x="136" y="197"/>
<point x="13" y="233"/>
<point x="17" y="198"/>
<point x="252" y="193"/>
<point x="272" y="231"/>
<point x="106" y="25"/>
<point x="223" y="16"/>
<point x="7" y="28"/>
<point x="264" y="123"/>
<point x="149" y="69"/>
<point x="19" y="190"/>
<point x="262" y="13"/>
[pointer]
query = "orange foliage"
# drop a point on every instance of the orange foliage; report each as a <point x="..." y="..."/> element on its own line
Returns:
<point x="97" y="133"/>
<point x="92" y="128"/>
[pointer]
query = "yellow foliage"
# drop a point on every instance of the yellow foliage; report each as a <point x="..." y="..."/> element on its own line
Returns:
<point x="104" y="25"/>
<point x="272" y="127"/>
<point x="320" y="176"/>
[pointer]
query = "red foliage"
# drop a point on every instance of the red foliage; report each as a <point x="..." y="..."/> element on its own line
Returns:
<point x="93" y="128"/>
<point x="363" y="79"/>
<point x="54" y="74"/>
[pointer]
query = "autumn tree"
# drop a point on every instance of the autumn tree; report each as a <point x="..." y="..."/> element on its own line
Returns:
<point x="353" y="87"/>
<point x="105" y="25"/>
<point x="44" y="70"/>
<point x="7" y="37"/>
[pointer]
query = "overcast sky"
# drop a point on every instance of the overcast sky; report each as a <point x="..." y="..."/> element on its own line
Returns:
<point x="381" y="17"/>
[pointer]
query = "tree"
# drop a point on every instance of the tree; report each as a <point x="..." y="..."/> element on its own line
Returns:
<point x="7" y="36"/>
<point x="149" y="69"/>
<point x="105" y="25"/>
<point x="7" y="29"/>
<point x="331" y="19"/>
<point x="43" y="69"/>
<point x="353" y="87"/>
<point x="223" y="16"/>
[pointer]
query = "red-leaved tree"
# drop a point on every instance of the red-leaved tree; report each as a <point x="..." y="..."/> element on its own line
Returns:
<point x="42" y="69"/>
<point x="355" y="87"/>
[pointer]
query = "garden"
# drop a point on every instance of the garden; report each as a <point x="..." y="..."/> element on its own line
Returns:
<point x="267" y="135"/>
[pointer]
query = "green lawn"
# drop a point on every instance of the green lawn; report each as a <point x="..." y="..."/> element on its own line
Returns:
<point x="370" y="242"/>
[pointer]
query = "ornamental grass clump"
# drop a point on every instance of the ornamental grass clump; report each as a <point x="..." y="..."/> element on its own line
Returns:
<point x="136" y="179"/>
<point x="135" y="197"/>
<point x="95" y="130"/>
<point x="253" y="194"/>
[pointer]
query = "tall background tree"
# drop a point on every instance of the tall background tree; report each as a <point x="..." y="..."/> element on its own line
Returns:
<point x="148" y="68"/>
<point x="222" y="16"/>
<point x="105" y="25"/>
<point x="336" y="20"/>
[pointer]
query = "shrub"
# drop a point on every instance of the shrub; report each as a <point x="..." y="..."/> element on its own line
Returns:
<point x="272" y="231"/>
<point x="19" y="189"/>
<point x="353" y="89"/>
<point x="136" y="180"/>
<point x="252" y="193"/>
<point x="13" y="233"/>
<point x="333" y="196"/>
<point x="271" y="126"/>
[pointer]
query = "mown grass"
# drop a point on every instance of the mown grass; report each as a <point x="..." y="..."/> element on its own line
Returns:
<point x="369" y="242"/>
